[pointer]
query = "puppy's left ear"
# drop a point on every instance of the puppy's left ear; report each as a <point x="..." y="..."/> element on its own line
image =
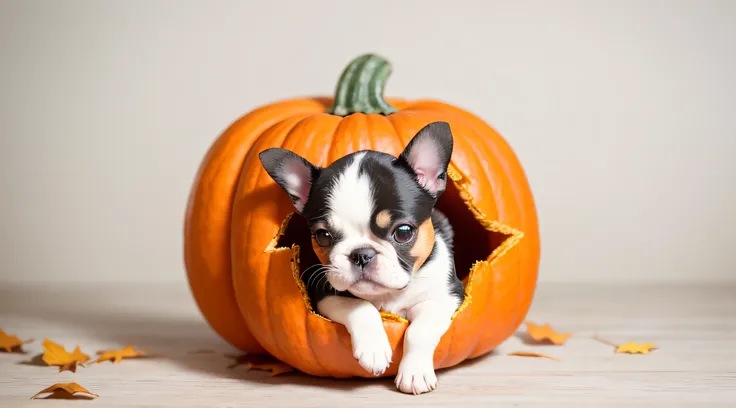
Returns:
<point x="428" y="154"/>
<point x="292" y="172"/>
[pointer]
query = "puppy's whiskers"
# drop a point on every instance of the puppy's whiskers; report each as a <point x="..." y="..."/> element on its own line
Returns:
<point x="318" y="266"/>
<point x="404" y="263"/>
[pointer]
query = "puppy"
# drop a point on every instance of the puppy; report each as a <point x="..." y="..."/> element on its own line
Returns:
<point x="383" y="246"/>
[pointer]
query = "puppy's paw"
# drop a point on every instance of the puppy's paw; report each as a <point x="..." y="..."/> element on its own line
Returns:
<point x="373" y="351"/>
<point x="416" y="375"/>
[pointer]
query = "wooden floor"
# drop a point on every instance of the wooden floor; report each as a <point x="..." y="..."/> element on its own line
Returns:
<point x="694" y="328"/>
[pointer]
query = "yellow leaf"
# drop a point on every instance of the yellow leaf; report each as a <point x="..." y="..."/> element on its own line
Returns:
<point x="78" y="356"/>
<point x="261" y="362"/>
<point x="56" y="355"/>
<point x="546" y="333"/>
<point x="65" y="391"/>
<point x="11" y="343"/>
<point x="630" y="347"/>
<point x="531" y="354"/>
<point x="116" y="356"/>
<point x="635" y="348"/>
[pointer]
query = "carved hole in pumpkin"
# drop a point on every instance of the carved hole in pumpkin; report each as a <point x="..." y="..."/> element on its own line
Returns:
<point x="475" y="240"/>
<point x="472" y="241"/>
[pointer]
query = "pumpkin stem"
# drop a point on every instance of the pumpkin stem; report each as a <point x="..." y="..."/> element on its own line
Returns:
<point x="360" y="88"/>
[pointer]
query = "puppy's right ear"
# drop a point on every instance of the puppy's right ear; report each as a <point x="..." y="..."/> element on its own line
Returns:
<point x="292" y="172"/>
<point x="429" y="153"/>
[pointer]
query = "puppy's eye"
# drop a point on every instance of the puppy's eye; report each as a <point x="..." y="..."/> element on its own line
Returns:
<point x="404" y="233"/>
<point x="323" y="238"/>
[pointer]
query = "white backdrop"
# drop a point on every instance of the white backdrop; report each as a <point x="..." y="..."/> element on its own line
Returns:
<point x="622" y="113"/>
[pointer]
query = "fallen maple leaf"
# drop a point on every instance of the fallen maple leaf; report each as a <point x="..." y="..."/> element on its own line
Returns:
<point x="630" y="347"/>
<point x="261" y="362"/>
<point x="635" y="348"/>
<point x="65" y="391"/>
<point x="116" y="356"/>
<point x="546" y="333"/>
<point x="11" y="343"/>
<point x="531" y="354"/>
<point x="56" y="355"/>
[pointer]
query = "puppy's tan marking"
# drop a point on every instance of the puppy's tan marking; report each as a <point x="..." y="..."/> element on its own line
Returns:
<point x="322" y="253"/>
<point x="383" y="219"/>
<point x="424" y="243"/>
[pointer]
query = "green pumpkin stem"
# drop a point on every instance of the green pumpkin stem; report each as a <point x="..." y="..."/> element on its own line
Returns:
<point x="360" y="88"/>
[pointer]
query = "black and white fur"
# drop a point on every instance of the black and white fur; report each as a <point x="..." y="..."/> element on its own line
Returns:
<point x="383" y="246"/>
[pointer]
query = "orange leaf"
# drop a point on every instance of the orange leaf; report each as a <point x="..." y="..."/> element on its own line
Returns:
<point x="546" y="333"/>
<point x="261" y="362"/>
<point x="65" y="391"/>
<point x="531" y="354"/>
<point x="56" y="355"/>
<point x="630" y="347"/>
<point x="116" y="356"/>
<point x="11" y="343"/>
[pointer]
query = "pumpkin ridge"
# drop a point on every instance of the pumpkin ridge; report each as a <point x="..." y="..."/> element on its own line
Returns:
<point x="514" y="238"/>
<point x="489" y="225"/>
<point x="295" y="273"/>
<point x="295" y="250"/>
<point x="456" y="117"/>
<point x="499" y="149"/>
<point x="208" y="265"/>
<point x="460" y="182"/>
<point x="287" y="124"/>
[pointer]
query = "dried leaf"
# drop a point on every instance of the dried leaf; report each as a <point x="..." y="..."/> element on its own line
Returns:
<point x="635" y="348"/>
<point x="531" y="354"/>
<point x="65" y="391"/>
<point x="274" y="369"/>
<point x="56" y="355"/>
<point x="546" y="333"/>
<point x="116" y="356"/>
<point x="261" y="362"/>
<point x="239" y="360"/>
<point x="11" y="343"/>
<point x="630" y="347"/>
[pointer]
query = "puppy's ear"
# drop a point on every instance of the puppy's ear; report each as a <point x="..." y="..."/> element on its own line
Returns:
<point x="292" y="172"/>
<point x="428" y="154"/>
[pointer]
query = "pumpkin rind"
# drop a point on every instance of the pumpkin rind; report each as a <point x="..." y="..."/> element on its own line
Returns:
<point x="245" y="286"/>
<point x="207" y="222"/>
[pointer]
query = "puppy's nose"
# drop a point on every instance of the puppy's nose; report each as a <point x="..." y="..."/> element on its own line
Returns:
<point x="362" y="256"/>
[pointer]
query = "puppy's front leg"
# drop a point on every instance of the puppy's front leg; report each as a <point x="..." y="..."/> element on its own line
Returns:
<point x="363" y="321"/>
<point x="429" y="320"/>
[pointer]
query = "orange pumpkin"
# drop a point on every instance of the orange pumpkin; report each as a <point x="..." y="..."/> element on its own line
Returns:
<point x="244" y="246"/>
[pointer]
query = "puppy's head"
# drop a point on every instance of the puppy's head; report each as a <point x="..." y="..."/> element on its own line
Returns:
<point x="369" y="212"/>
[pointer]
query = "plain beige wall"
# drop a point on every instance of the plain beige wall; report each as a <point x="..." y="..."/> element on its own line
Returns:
<point x="622" y="112"/>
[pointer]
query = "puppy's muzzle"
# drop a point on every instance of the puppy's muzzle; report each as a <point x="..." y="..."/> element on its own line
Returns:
<point x="361" y="257"/>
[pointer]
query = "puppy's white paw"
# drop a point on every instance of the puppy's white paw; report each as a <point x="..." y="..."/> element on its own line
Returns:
<point x="373" y="351"/>
<point x="416" y="375"/>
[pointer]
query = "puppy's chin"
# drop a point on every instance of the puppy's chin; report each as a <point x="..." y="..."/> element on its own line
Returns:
<point x="367" y="289"/>
<point x="379" y="278"/>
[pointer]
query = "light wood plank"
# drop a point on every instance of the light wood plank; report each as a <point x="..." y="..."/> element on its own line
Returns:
<point x="694" y="328"/>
